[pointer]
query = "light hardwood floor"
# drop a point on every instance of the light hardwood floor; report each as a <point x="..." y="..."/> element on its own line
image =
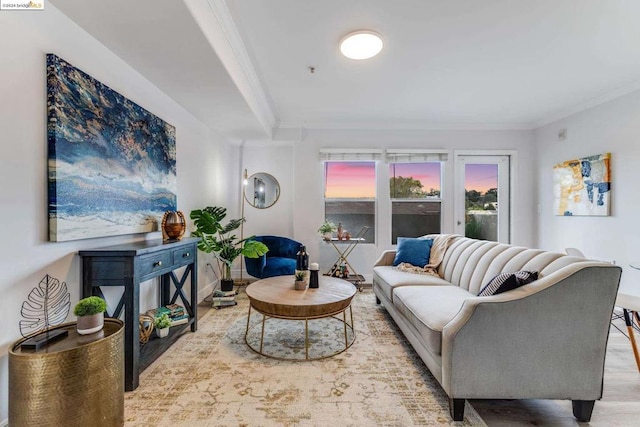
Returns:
<point x="620" y="404"/>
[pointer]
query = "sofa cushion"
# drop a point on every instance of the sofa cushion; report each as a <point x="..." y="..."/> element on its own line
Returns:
<point x="507" y="281"/>
<point x="387" y="278"/>
<point x="429" y="308"/>
<point x="413" y="251"/>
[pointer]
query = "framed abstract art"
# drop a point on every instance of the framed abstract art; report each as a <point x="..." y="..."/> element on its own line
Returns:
<point x="583" y="186"/>
<point x="112" y="164"/>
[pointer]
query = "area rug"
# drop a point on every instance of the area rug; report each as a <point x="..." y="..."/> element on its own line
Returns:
<point x="211" y="378"/>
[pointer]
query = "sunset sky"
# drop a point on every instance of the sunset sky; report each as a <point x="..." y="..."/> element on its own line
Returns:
<point x="350" y="179"/>
<point x="358" y="179"/>
<point x="480" y="177"/>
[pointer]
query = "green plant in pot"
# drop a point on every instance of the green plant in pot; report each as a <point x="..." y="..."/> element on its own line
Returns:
<point x="162" y="324"/>
<point x="90" y="312"/>
<point x="219" y="239"/>
<point x="300" y="283"/>
<point x="326" y="229"/>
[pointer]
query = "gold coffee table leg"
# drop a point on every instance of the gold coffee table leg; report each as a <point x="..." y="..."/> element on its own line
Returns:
<point x="306" y="339"/>
<point x="264" y="319"/>
<point x="248" y="319"/>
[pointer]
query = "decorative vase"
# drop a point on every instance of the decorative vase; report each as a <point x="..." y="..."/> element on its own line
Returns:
<point x="302" y="259"/>
<point x="300" y="285"/>
<point x="161" y="333"/>
<point x="226" y="285"/>
<point x="89" y="324"/>
<point x="173" y="225"/>
<point x="340" y="231"/>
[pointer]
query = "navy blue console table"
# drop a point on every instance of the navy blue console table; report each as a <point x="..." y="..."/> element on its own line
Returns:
<point x="128" y="265"/>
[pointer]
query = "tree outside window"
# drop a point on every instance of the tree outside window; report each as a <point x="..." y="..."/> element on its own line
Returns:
<point x="415" y="199"/>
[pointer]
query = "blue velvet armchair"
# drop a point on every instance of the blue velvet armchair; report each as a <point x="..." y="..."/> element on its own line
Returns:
<point x="279" y="261"/>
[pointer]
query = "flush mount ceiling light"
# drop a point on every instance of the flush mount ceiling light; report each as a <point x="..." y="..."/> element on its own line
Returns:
<point x="361" y="45"/>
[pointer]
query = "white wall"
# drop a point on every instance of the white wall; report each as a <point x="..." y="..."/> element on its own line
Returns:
<point x="612" y="127"/>
<point x="303" y="187"/>
<point x="25" y="254"/>
<point x="276" y="160"/>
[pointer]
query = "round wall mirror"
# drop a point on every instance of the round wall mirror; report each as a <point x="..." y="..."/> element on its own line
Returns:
<point x="262" y="190"/>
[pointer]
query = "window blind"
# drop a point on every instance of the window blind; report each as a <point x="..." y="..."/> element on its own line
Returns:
<point x="412" y="155"/>
<point x="350" y="154"/>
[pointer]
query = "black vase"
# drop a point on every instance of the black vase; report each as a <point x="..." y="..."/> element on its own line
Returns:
<point x="302" y="259"/>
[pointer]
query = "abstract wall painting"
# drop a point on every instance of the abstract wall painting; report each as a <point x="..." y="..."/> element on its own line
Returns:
<point x="583" y="186"/>
<point x="112" y="164"/>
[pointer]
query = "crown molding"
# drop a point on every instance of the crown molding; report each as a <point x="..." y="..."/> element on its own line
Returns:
<point x="217" y="25"/>
<point x="590" y="103"/>
<point x="405" y="126"/>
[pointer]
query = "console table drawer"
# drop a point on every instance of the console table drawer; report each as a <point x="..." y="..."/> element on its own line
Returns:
<point x="154" y="263"/>
<point x="183" y="256"/>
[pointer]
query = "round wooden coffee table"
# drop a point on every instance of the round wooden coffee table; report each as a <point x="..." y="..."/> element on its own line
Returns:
<point x="275" y="297"/>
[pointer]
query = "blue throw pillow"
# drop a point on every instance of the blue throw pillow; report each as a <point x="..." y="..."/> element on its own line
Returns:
<point x="413" y="251"/>
<point x="507" y="281"/>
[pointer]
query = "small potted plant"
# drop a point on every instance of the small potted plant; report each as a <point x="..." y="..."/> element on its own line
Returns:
<point x="90" y="312"/>
<point x="162" y="324"/>
<point x="300" y="284"/>
<point x="327" y="229"/>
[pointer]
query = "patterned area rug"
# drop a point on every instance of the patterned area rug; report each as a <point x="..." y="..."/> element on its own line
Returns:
<point x="211" y="377"/>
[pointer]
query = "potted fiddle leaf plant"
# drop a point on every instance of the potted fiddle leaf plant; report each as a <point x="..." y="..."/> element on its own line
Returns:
<point x="90" y="312"/>
<point x="219" y="239"/>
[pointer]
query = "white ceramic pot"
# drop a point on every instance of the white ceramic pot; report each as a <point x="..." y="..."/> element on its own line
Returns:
<point x="161" y="333"/>
<point x="327" y="236"/>
<point x="90" y="324"/>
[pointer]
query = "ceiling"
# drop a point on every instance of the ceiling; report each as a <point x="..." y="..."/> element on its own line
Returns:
<point x="241" y="66"/>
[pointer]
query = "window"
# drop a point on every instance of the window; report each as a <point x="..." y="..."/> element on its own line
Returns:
<point x="415" y="190"/>
<point x="350" y="195"/>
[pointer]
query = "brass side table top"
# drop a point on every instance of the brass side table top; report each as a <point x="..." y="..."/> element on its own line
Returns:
<point x="275" y="297"/>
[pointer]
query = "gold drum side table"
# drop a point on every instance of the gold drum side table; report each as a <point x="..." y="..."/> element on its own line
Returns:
<point x="76" y="381"/>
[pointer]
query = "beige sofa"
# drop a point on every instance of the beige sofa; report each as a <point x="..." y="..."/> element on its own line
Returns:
<point x="545" y="340"/>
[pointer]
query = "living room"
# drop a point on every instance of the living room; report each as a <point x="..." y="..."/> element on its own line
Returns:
<point x="216" y="141"/>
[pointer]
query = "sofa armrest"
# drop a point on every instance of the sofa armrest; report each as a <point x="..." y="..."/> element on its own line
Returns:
<point x="386" y="258"/>
<point x="255" y="266"/>
<point x="543" y="340"/>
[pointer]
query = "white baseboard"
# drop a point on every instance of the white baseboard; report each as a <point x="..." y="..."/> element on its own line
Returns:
<point x="4" y="423"/>
<point x="204" y="292"/>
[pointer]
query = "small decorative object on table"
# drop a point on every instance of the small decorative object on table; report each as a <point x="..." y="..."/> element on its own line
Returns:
<point x="47" y="305"/>
<point x="146" y="328"/>
<point x="313" y="279"/>
<point x="300" y="284"/>
<point x="90" y="312"/>
<point x="173" y="225"/>
<point x="340" y="231"/>
<point x="327" y="229"/>
<point x="302" y="259"/>
<point x="162" y="324"/>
